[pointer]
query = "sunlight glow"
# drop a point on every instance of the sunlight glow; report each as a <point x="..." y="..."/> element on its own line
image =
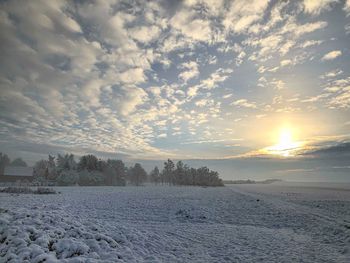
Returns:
<point x="286" y="145"/>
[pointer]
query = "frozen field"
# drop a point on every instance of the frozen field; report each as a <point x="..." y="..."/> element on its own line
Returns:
<point x="241" y="223"/>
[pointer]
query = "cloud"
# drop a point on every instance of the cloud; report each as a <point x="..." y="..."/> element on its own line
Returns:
<point x="341" y="100"/>
<point x="331" y="55"/>
<point x="132" y="76"/>
<point x="91" y="92"/>
<point x="301" y="29"/>
<point x="315" y="7"/>
<point x="227" y="96"/>
<point x="110" y="76"/>
<point x="204" y="102"/>
<point x="145" y="34"/>
<point x="71" y="81"/>
<point x="331" y="151"/>
<point x="242" y="14"/>
<point x="162" y="135"/>
<point x="347" y="6"/>
<point x="286" y="62"/>
<point x="278" y="84"/>
<point x="244" y="103"/>
<point x="71" y="25"/>
<point x="192" y="91"/>
<point x="310" y="43"/>
<point x="190" y="71"/>
<point x="266" y="44"/>
<point x="281" y="40"/>
<point x="186" y="23"/>
<point x="331" y="74"/>
<point x="218" y="76"/>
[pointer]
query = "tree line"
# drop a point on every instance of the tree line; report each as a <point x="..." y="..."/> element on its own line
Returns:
<point x="64" y="170"/>
<point x="88" y="171"/>
<point x="6" y="161"/>
<point x="182" y="174"/>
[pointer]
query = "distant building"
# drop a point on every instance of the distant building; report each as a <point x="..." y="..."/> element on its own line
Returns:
<point x="17" y="174"/>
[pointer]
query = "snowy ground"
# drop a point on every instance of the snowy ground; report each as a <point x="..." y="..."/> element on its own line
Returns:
<point x="240" y="223"/>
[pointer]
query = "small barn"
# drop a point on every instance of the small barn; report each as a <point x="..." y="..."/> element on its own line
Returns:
<point x="17" y="174"/>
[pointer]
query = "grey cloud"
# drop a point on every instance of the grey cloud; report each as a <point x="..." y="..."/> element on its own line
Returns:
<point x="333" y="151"/>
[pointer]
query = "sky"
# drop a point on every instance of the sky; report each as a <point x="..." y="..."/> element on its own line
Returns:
<point x="236" y="84"/>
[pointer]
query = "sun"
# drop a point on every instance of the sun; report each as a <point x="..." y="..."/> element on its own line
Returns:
<point x="286" y="145"/>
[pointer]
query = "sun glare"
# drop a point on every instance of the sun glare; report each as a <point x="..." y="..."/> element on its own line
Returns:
<point x="286" y="145"/>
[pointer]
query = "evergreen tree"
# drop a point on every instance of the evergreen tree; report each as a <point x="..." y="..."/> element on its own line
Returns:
<point x="137" y="175"/>
<point x="184" y="175"/>
<point x="88" y="162"/>
<point x="168" y="172"/>
<point x="4" y="161"/>
<point x="155" y="175"/>
<point x="41" y="169"/>
<point x="18" y="162"/>
<point x="51" y="169"/>
<point x="115" y="172"/>
<point x="65" y="162"/>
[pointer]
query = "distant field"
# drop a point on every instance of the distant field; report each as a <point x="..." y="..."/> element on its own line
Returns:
<point x="284" y="222"/>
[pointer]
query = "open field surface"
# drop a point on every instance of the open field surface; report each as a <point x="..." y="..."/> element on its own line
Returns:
<point x="239" y="223"/>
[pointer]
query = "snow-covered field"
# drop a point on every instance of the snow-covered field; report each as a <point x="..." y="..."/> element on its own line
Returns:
<point x="240" y="223"/>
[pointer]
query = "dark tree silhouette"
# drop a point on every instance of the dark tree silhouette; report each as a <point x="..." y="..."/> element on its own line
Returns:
<point x="115" y="171"/>
<point x="4" y="161"/>
<point x="88" y="162"/>
<point x="90" y="170"/>
<point x="137" y="175"/>
<point x="18" y="162"/>
<point x="168" y="172"/>
<point x="65" y="162"/>
<point x="184" y="175"/>
<point x="155" y="175"/>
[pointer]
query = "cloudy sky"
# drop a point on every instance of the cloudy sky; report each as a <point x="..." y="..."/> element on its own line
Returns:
<point x="197" y="79"/>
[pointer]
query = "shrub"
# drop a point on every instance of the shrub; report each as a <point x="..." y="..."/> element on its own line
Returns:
<point x="27" y="190"/>
<point x="17" y="190"/>
<point x="44" y="191"/>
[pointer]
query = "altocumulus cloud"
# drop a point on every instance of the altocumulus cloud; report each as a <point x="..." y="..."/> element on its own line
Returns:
<point x="140" y="78"/>
<point x="332" y="55"/>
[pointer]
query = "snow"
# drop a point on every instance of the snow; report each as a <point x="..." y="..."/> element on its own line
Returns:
<point x="238" y="223"/>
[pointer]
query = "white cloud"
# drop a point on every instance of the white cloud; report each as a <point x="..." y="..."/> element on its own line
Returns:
<point x="204" y="102"/>
<point x="218" y="76"/>
<point x="278" y="84"/>
<point x="341" y="100"/>
<point x="162" y="135"/>
<point x="286" y="62"/>
<point x="213" y="7"/>
<point x="91" y="92"/>
<point x="227" y="96"/>
<point x="192" y="91"/>
<point x="347" y="6"/>
<point x="315" y="7"/>
<point x="71" y="24"/>
<point x="174" y="42"/>
<point x="310" y="43"/>
<point x="132" y="76"/>
<point x="145" y="34"/>
<point x="242" y="14"/>
<point x="332" y="55"/>
<point x="190" y="71"/>
<point x="347" y="27"/>
<point x="302" y="29"/>
<point x="186" y="23"/>
<point x="331" y="74"/>
<point x="244" y="103"/>
<point x="282" y="40"/>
